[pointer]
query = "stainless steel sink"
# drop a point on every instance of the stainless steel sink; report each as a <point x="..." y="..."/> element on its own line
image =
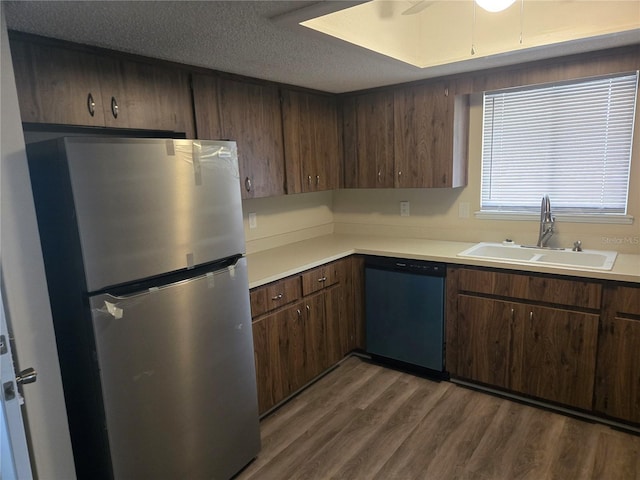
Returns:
<point x="594" y="259"/>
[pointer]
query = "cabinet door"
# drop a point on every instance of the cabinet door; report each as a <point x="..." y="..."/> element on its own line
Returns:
<point x="315" y="339"/>
<point x="618" y="371"/>
<point x="486" y="340"/>
<point x="266" y="346"/>
<point x="147" y="96"/>
<point x="250" y="114"/>
<point x="312" y="145"/>
<point x="339" y="329"/>
<point x="57" y="85"/>
<point x="374" y="133"/>
<point x="558" y="355"/>
<point x="424" y="136"/>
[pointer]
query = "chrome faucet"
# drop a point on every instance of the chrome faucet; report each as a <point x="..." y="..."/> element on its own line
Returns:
<point x="546" y="222"/>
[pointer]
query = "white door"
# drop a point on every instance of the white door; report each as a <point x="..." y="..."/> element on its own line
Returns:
<point x="14" y="462"/>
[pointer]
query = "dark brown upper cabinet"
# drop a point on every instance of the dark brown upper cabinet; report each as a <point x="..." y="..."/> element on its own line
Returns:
<point x="430" y="136"/>
<point x="312" y="141"/>
<point x="249" y="114"/>
<point x="68" y="86"/>
<point x="368" y="140"/>
<point x="406" y="137"/>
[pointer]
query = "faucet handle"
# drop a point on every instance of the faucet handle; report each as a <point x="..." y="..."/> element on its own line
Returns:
<point x="577" y="246"/>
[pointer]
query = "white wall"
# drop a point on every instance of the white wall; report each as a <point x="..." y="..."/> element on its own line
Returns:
<point x="25" y="292"/>
<point x="287" y="219"/>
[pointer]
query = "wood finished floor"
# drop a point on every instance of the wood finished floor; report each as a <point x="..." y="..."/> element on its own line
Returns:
<point x="363" y="421"/>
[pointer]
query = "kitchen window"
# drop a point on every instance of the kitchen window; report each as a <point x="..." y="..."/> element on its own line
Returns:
<point x="570" y="140"/>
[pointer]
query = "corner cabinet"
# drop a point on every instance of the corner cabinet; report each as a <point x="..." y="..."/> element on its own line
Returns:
<point x="249" y="114"/>
<point x="302" y="325"/>
<point x="618" y="372"/>
<point x="312" y="141"/>
<point x="430" y="136"/>
<point x="69" y="86"/>
<point x="533" y="335"/>
<point x="407" y="137"/>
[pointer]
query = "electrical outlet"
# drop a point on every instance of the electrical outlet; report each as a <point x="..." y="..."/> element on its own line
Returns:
<point x="253" y="221"/>
<point x="404" y="208"/>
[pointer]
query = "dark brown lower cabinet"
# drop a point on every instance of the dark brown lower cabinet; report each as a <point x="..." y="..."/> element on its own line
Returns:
<point x="618" y="372"/>
<point x="528" y="334"/>
<point x="558" y="355"/>
<point x="548" y="353"/>
<point x="295" y="343"/>
<point x="485" y="331"/>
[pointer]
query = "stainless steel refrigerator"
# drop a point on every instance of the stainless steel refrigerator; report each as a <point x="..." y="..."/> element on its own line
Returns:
<point x="143" y="245"/>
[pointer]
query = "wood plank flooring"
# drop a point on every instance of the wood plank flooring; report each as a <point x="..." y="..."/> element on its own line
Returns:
<point x="364" y="421"/>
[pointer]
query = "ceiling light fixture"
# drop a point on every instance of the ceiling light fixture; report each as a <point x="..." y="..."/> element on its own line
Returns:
<point x="495" y="5"/>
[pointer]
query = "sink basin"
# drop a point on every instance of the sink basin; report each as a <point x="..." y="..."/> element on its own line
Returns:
<point x="595" y="259"/>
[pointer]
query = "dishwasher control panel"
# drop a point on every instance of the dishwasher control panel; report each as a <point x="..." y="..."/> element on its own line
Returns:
<point x="421" y="267"/>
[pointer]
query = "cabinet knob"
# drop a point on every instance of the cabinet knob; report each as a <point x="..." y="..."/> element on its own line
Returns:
<point x="114" y="107"/>
<point x="322" y="279"/>
<point x="530" y="315"/>
<point x="317" y="180"/>
<point x="277" y="297"/>
<point x="91" y="105"/>
<point x="299" y="313"/>
<point x="379" y="176"/>
<point x="309" y="179"/>
<point x="247" y="184"/>
<point x="399" y="174"/>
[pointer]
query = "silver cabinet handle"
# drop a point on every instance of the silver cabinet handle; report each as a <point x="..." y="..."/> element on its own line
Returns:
<point x="26" y="376"/>
<point x="323" y="279"/>
<point x="513" y="314"/>
<point x="91" y="105"/>
<point x="530" y="315"/>
<point x="308" y="309"/>
<point x="277" y="297"/>
<point x="114" y="107"/>
<point x="317" y="180"/>
<point x="309" y="179"/>
<point x="247" y="184"/>
<point x="379" y="176"/>
<point x="399" y="174"/>
<point x="299" y="313"/>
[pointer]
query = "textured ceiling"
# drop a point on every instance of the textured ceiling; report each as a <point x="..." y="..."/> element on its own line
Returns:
<point x="242" y="37"/>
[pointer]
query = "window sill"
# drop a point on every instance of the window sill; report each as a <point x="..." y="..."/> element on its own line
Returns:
<point x="520" y="216"/>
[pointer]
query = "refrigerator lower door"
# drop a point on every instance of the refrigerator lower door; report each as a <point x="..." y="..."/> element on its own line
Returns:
<point x="178" y="378"/>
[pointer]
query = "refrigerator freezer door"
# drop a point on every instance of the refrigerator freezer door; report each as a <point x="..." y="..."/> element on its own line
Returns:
<point x="178" y="378"/>
<point x="145" y="207"/>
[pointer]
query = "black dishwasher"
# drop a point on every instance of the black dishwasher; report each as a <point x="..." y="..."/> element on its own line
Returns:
<point x="404" y="301"/>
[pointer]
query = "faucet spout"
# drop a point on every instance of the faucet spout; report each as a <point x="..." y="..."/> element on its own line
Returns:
<point x="547" y="221"/>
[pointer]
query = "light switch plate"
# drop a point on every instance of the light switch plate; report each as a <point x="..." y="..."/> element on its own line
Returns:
<point x="404" y="208"/>
<point x="253" y="221"/>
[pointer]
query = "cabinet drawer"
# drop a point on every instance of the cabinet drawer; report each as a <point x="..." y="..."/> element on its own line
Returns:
<point x="319" y="278"/>
<point x="623" y="300"/>
<point x="574" y="293"/>
<point x="274" y="295"/>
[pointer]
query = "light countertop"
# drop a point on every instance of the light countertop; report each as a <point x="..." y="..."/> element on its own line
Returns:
<point x="276" y="263"/>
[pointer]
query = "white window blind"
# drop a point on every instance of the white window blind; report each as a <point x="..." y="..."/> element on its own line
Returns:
<point x="571" y="141"/>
